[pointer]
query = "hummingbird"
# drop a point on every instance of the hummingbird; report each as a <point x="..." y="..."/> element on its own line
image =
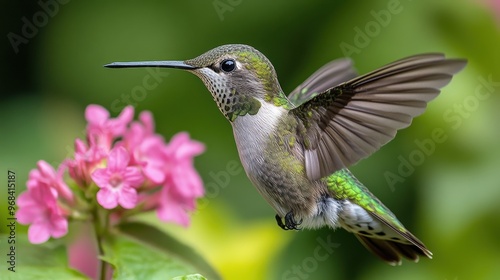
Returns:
<point x="296" y="149"/>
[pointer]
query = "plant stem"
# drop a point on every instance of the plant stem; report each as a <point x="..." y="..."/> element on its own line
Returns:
<point x="100" y="227"/>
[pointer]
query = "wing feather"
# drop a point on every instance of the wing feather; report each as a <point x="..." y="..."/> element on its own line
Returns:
<point x="328" y="76"/>
<point x="352" y="120"/>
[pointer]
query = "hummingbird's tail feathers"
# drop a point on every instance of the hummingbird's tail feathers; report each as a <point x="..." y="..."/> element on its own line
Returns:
<point x="390" y="241"/>
<point x="392" y="251"/>
<point x="405" y="234"/>
<point x="376" y="227"/>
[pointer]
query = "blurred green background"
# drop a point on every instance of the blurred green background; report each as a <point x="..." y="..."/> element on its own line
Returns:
<point x="53" y="70"/>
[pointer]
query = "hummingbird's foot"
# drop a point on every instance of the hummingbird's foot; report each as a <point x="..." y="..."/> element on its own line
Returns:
<point x="280" y="222"/>
<point x="290" y="222"/>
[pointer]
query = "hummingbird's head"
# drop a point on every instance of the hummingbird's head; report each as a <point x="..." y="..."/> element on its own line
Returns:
<point x="239" y="77"/>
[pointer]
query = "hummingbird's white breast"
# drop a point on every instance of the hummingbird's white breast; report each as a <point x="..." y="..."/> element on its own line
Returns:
<point x="252" y="134"/>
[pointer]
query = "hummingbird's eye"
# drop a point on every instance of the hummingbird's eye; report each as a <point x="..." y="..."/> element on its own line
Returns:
<point x="228" y="65"/>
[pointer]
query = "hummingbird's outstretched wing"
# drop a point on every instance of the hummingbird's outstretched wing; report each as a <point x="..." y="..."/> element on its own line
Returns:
<point x="354" y="119"/>
<point x="326" y="77"/>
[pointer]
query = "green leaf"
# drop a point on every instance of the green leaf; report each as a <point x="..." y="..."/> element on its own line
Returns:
<point x="148" y="253"/>
<point x="43" y="261"/>
<point x="132" y="260"/>
<point x="190" y="277"/>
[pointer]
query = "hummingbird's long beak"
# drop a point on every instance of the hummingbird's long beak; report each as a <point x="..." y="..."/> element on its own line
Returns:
<point x="165" y="64"/>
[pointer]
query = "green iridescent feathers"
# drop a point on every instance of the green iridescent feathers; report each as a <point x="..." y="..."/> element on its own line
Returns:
<point x="395" y="241"/>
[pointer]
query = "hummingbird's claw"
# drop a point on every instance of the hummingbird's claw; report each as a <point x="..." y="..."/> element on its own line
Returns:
<point x="290" y="222"/>
<point x="280" y="222"/>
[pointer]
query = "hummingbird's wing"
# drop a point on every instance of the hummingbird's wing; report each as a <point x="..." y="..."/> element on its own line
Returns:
<point x="354" y="119"/>
<point x="326" y="77"/>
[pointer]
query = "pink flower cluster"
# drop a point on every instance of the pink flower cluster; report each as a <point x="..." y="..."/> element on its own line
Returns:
<point x="122" y="164"/>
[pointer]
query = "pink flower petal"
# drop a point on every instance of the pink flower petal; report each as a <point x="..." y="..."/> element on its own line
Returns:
<point x="24" y="199"/>
<point x="96" y="114"/>
<point x="38" y="207"/>
<point x="107" y="198"/>
<point x="101" y="177"/>
<point x="46" y="177"/>
<point x="132" y="176"/>
<point x="188" y="182"/>
<point x="154" y="173"/>
<point x="59" y="227"/>
<point x="134" y="136"/>
<point x="28" y="208"/>
<point x="177" y="140"/>
<point x="118" y="125"/>
<point x="173" y="213"/>
<point x="34" y="179"/>
<point x="60" y="185"/>
<point x="181" y="147"/>
<point x="126" y="115"/>
<point x="80" y="147"/>
<point x="152" y="144"/>
<point x="127" y="197"/>
<point x="147" y="119"/>
<point x="190" y="149"/>
<point x="118" y="159"/>
<point x="38" y="233"/>
<point x="46" y="170"/>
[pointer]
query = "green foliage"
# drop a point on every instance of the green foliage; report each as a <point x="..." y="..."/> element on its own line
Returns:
<point x="159" y="242"/>
<point x="47" y="261"/>
<point x="143" y="252"/>
<point x="190" y="277"/>
<point x="131" y="260"/>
